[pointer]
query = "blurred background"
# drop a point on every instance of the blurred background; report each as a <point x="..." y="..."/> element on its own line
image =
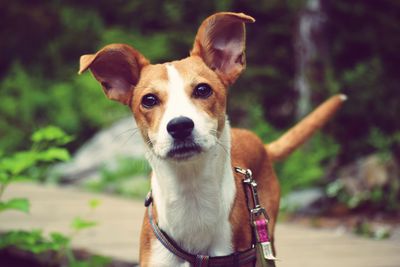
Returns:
<point x="299" y="53"/>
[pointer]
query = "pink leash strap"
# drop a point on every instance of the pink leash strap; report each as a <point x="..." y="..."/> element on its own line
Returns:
<point x="262" y="230"/>
<point x="263" y="241"/>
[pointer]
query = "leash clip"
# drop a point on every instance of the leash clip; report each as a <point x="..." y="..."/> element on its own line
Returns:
<point x="246" y="172"/>
<point x="259" y="224"/>
<point x="251" y="184"/>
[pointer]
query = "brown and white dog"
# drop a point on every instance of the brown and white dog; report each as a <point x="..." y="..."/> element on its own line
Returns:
<point x="180" y="109"/>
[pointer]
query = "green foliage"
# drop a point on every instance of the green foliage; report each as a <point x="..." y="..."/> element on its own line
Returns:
<point x="39" y="85"/>
<point x="336" y="190"/>
<point x="31" y="102"/>
<point x="368" y="230"/>
<point x="17" y="163"/>
<point x="15" y="167"/>
<point x="155" y="46"/>
<point x="18" y="94"/>
<point x="51" y="134"/>
<point x="12" y="168"/>
<point x="79" y="224"/>
<point x="93" y="261"/>
<point x="383" y="143"/>
<point x="44" y="149"/>
<point x="94" y="203"/>
<point x="52" y="154"/>
<point x="128" y="179"/>
<point x="365" y="69"/>
<point x="20" y="204"/>
<point x="258" y="124"/>
<point x="384" y="199"/>
<point x="306" y="166"/>
<point x="34" y="241"/>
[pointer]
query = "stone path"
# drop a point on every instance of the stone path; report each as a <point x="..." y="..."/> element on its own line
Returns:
<point x="117" y="234"/>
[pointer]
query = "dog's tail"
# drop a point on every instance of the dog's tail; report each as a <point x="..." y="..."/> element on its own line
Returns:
<point x="301" y="132"/>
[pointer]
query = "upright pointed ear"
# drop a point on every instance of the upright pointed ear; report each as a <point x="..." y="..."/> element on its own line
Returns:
<point x="117" y="67"/>
<point x="220" y="42"/>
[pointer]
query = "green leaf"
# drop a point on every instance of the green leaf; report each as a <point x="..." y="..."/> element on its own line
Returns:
<point x="21" y="204"/>
<point x="59" y="241"/>
<point x="98" y="261"/>
<point x="54" y="153"/>
<point x="19" y="162"/>
<point x="333" y="189"/>
<point x="94" y="203"/>
<point x="79" y="224"/>
<point x="34" y="241"/>
<point x="51" y="134"/>
<point x="21" y="239"/>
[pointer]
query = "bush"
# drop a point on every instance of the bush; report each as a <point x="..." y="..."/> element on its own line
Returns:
<point x="30" y="102"/>
<point x="306" y="166"/>
<point x="20" y="166"/>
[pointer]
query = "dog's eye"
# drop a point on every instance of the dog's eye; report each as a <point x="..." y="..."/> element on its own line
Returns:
<point x="202" y="90"/>
<point x="149" y="101"/>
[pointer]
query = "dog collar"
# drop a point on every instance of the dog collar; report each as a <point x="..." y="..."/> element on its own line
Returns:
<point x="261" y="248"/>
<point x="198" y="260"/>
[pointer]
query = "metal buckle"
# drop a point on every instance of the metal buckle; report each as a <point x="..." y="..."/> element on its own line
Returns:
<point x="257" y="210"/>
<point x="246" y="172"/>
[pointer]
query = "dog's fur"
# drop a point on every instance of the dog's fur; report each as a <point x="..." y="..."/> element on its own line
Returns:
<point x="198" y="199"/>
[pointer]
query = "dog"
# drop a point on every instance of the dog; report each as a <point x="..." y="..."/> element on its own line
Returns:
<point x="198" y="201"/>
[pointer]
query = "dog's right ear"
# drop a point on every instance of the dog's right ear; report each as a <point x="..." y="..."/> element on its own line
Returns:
<point x="117" y="67"/>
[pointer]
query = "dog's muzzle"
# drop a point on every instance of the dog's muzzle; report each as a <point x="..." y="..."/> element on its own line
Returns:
<point x="184" y="149"/>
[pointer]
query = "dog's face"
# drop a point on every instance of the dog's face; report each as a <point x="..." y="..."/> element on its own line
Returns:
<point x="179" y="106"/>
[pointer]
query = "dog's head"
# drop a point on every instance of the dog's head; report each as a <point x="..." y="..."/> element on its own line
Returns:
<point x="179" y="106"/>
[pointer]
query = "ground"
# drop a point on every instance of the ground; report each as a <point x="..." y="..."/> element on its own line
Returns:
<point x="117" y="234"/>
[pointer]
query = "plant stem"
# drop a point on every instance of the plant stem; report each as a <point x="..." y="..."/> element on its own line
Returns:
<point x="2" y="189"/>
<point x="70" y="255"/>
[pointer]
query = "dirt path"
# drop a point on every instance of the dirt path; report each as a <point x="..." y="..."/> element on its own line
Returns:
<point x="117" y="234"/>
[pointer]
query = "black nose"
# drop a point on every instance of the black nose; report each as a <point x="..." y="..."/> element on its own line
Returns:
<point x="180" y="127"/>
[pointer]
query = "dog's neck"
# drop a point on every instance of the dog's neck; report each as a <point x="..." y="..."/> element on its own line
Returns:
<point x="193" y="198"/>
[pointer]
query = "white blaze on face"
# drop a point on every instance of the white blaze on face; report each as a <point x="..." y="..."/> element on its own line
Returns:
<point x="179" y="103"/>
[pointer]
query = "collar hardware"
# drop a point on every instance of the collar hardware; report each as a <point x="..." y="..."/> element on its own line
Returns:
<point x="258" y="220"/>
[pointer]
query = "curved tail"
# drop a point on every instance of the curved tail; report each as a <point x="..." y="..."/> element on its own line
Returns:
<point x="301" y="132"/>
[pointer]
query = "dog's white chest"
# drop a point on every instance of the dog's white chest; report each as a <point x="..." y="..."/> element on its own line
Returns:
<point x="198" y="222"/>
<point x="193" y="206"/>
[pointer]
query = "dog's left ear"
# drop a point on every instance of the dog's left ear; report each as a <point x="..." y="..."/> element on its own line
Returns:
<point x="220" y="42"/>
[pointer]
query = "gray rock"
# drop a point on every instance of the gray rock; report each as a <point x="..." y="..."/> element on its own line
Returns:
<point x="367" y="180"/>
<point x="368" y="173"/>
<point x="121" y="140"/>
<point x="301" y="200"/>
